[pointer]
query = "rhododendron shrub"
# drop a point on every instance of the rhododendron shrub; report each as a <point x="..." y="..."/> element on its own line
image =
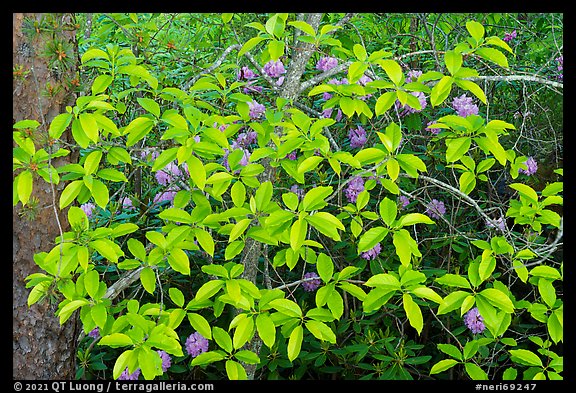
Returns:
<point x="247" y="228"/>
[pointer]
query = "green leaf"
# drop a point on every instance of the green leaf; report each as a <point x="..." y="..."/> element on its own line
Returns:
<point x="148" y="279"/>
<point x="177" y="297"/>
<point x="493" y="55"/>
<point x="287" y="307"/>
<point x="138" y="129"/>
<point x="314" y="199"/>
<point x="412" y="219"/>
<point x="450" y="350"/>
<point x="116" y="340"/>
<point x="266" y="329"/>
<point x="179" y="261"/>
<point x="475" y="372"/>
<point x="208" y="289"/>
<point x="234" y="248"/>
<point x="525" y="191"/>
<point x="59" y="125"/>
<point x="305" y="27"/>
<point x="498" y="299"/>
<point x="295" y="342"/>
<point x="371" y="237"/>
<point x="175" y="214"/>
<point x="243" y="333"/>
<point x="200" y="324"/>
<point x="385" y="102"/>
<point x="89" y="126"/>
<point x="222" y="338"/>
<point x="207" y="358"/>
<point x="453" y="61"/>
<point x="92" y="283"/>
<point x="205" y="240"/>
<point x="473" y="88"/>
<point x="383" y="280"/>
<point x="325" y="267"/>
<point x="525" y="357"/>
<point x="263" y="195"/>
<point x="247" y="356"/>
<point x="467" y="182"/>
<point x="547" y="291"/>
<point x="388" y="210"/>
<point x="443" y="365"/>
<point x="251" y="43"/>
<point x="347" y="105"/>
<point x="475" y="29"/>
<point x="427" y="293"/>
<point x="309" y="164"/>
<point x="276" y="49"/>
<point x="321" y="331"/>
<point x="70" y="193"/>
<point x="359" y="52"/>
<point x="405" y="246"/>
<point x="149" y="105"/>
<point x="235" y="371"/>
<point x="453" y="280"/>
<point x="441" y="90"/>
<point x="106" y="248"/>
<point x="326" y="224"/>
<point x="457" y="147"/>
<point x="413" y="312"/>
<point x="24" y="182"/>
<point x="100" y="193"/>
<point x="393" y="70"/>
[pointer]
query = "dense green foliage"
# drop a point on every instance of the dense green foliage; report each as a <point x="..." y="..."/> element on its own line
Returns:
<point x="186" y="178"/>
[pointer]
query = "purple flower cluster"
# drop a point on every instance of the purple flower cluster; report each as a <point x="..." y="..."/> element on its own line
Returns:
<point x="326" y="113"/>
<point x="94" y="333"/>
<point x="326" y="63"/>
<point x="127" y="203"/>
<point x="274" y="69"/>
<point x="372" y="253"/>
<point x="245" y="139"/>
<point x="246" y="73"/>
<point x="435" y="208"/>
<point x="500" y="223"/>
<point x="474" y="321"/>
<point x="509" y="36"/>
<point x="532" y="167"/>
<point x="560" y="61"/>
<point x="165" y="196"/>
<point x="166" y="360"/>
<point x="413" y="75"/>
<point x="434" y="131"/>
<point x="313" y="282"/>
<point x="357" y="137"/>
<point x="407" y="109"/>
<point x="196" y="344"/>
<point x="355" y="187"/>
<point x="256" y="109"/>
<point x="464" y="106"/>
<point x="404" y="201"/>
<point x="243" y="161"/>
<point x="296" y="189"/>
<point x="168" y="174"/>
<point x="125" y="376"/>
<point x="334" y="81"/>
<point x="88" y="208"/>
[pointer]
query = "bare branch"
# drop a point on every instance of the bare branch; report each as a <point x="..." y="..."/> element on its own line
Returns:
<point x="213" y="66"/>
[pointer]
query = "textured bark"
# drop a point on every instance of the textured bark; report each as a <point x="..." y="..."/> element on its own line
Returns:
<point x="42" y="349"/>
<point x="290" y="90"/>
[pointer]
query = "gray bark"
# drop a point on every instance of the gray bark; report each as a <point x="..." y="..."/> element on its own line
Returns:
<point x="42" y="349"/>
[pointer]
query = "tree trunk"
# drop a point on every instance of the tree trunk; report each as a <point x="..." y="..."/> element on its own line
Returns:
<point x="290" y="90"/>
<point x="42" y="349"/>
